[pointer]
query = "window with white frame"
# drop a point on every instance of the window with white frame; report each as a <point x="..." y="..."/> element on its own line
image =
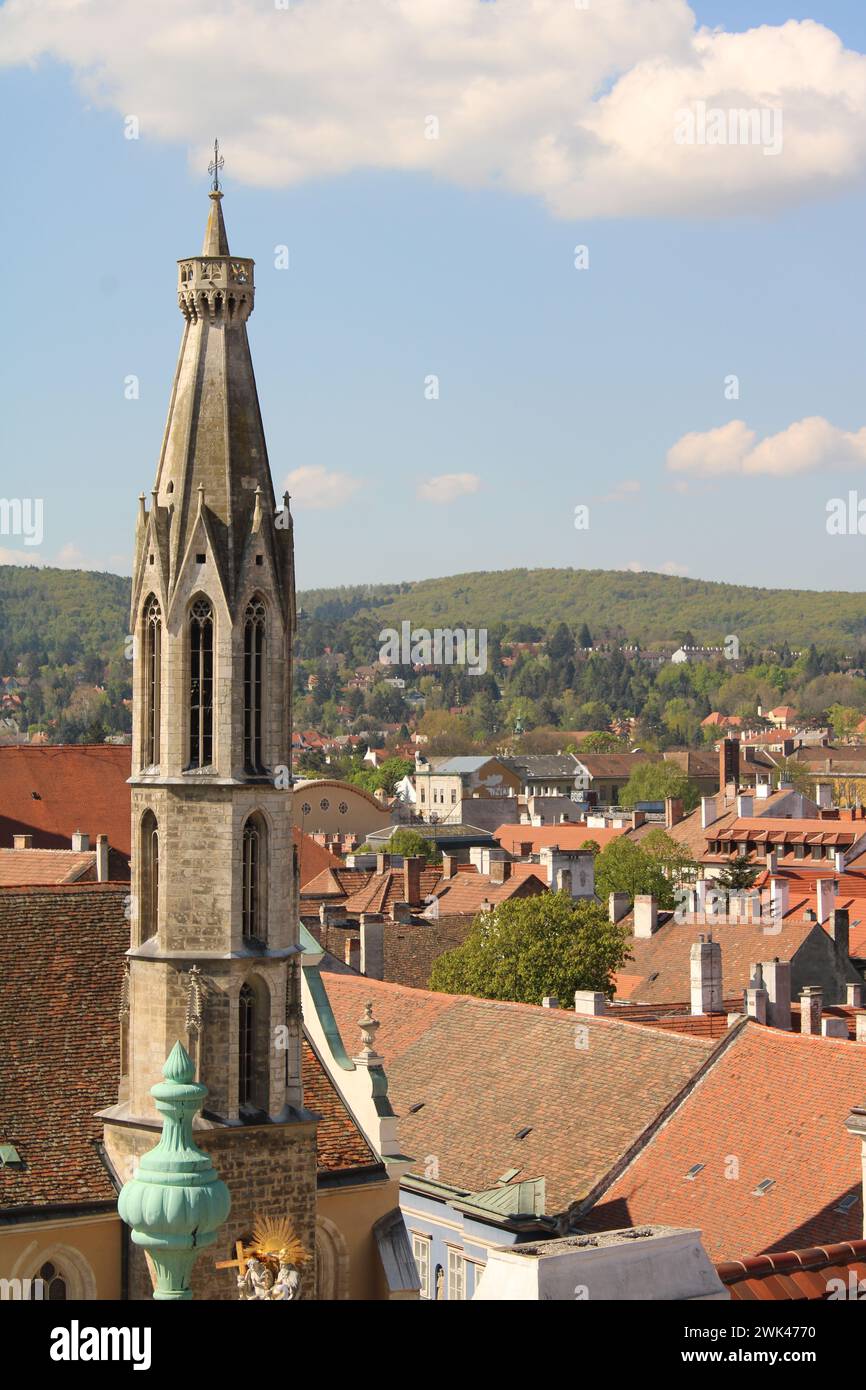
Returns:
<point x="421" y="1251"/>
<point x="456" y="1275"/>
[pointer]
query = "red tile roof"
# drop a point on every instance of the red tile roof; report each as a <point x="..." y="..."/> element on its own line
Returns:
<point x="62" y="951"/>
<point x="798" y="1275"/>
<point x="340" y="1145"/>
<point x="61" y="961"/>
<point x="77" y="786"/>
<point x="44" y="866"/>
<point x="772" y="1106"/>
<point x="661" y="962"/>
<point x="482" y="1070"/>
<point x="314" y="859"/>
<point x="570" y="836"/>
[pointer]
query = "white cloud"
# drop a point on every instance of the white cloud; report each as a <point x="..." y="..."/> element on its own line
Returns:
<point x="577" y="107"/>
<point x="623" y="491"/>
<point x="447" y="487"/>
<point x="315" y="487"/>
<point x="804" y="447"/>
<point x="9" y="556"/>
<point x="669" y="567"/>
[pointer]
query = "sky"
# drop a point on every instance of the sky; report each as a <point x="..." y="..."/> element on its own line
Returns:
<point x="533" y="314"/>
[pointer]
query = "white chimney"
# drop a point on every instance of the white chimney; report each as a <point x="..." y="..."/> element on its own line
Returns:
<point x="763" y="791"/>
<point x="80" y="842"/>
<point x="590" y="1001"/>
<point x="824" y="795"/>
<point x="855" y="996"/>
<point x="745" y="806"/>
<point x="777" y="981"/>
<point x="839" y="861"/>
<point x="617" y="906"/>
<point x="102" y="858"/>
<point x="706" y="976"/>
<point x="825" y="897"/>
<point x="834" y="1028"/>
<point x="779" y="888"/>
<point x="372" y="945"/>
<point x="708" y="811"/>
<point x="22" y="841"/>
<point x="771" y="861"/>
<point x="860" y="1025"/>
<point x="756" y="997"/>
<point x="550" y="1001"/>
<point x="646" y="916"/>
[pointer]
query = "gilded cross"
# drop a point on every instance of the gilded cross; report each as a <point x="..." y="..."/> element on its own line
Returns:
<point x="215" y="165"/>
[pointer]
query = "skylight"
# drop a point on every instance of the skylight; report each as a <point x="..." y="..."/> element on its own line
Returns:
<point x="763" y="1187"/>
<point x="522" y="1133"/>
<point x="693" y="1171"/>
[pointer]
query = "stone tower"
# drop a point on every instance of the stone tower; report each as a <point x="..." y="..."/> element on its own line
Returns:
<point x="214" y="957"/>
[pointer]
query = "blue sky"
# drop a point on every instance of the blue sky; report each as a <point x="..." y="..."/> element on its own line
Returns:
<point x="558" y="386"/>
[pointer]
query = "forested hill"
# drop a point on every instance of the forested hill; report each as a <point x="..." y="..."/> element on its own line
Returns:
<point x="57" y="617"/>
<point x="642" y="608"/>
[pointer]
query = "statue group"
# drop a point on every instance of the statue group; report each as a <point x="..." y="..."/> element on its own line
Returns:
<point x="259" y="1282"/>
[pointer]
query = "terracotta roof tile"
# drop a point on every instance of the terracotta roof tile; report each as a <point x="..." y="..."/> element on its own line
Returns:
<point x="483" y="1069"/>
<point x="775" y="1104"/>
<point x="77" y="786"/>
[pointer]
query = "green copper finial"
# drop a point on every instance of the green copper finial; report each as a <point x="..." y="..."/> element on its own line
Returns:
<point x="176" y="1202"/>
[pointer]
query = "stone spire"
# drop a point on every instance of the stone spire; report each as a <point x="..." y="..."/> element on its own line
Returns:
<point x="214" y="443"/>
<point x="216" y="242"/>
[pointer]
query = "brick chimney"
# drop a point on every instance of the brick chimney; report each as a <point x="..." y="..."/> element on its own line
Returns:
<point x="646" y="916"/>
<point x="412" y="879"/>
<point x="500" y="870"/>
<point x="22" y="841"/>
<point x="811" y="1008"/>
<point x="673" y="811"/>
<point x="449" y="865"/>
<point x="80" y="841"/>
<point x="102" y="858"/>
<point x="706" y="975"/>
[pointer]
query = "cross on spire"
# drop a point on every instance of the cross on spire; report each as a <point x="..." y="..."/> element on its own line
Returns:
<point x="215" y="166"/>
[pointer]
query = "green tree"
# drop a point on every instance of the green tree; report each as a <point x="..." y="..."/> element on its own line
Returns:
<point x="531" y="947"/>
<point x="623" y="867"/>
<point x="844" y="720"/>
<point x="600" y="742"/>
<point x="409" y="843"/>
<point x="738" y="873"/>
<point x="655" y="782"/>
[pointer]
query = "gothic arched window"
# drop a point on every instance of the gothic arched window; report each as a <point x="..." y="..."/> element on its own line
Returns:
<point x="201" y="684"/>
<point x="152" y="661"/>
<point x="246" y="1045"/>
<point x="53" y="1284"/>
<point x="253" y="878"/>
<point x="149" y="875"/>
<point x="254" y="655"/>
